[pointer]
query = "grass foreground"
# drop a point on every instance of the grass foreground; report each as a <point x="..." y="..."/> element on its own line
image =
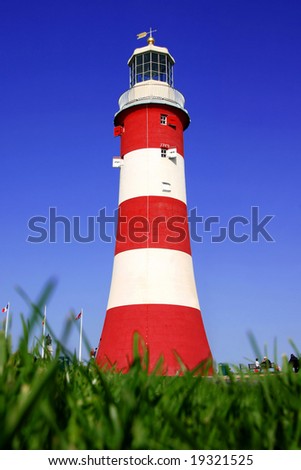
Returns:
<point x="47" y="404"/>
<point x="50" y="404"/>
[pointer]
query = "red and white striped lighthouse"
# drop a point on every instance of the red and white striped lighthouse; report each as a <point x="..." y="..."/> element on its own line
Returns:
<point x="153" y="289"/>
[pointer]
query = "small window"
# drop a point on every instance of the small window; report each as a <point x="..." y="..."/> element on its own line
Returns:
<point x="163" y="153"/>
<point x="163" y="119"/>
<point x="166" y="187"/>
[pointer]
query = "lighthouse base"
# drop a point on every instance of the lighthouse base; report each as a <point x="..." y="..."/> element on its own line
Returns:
<point x="172" y="333"/>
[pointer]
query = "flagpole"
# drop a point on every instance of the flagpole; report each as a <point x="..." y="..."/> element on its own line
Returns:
<point x="7" y="319"/>
<point x="80" y="336"/>
<point x="43" y="334"/>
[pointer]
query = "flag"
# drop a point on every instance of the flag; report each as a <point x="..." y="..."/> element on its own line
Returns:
<point x="141" y="35"/>
<point x="78" y="316"/>
<point x="4" y="310"/>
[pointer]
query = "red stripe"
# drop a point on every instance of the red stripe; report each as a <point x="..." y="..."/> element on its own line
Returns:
<point x="142" y="128"/>
<point x="166" y="329"/>
<point x="152" y="222"/>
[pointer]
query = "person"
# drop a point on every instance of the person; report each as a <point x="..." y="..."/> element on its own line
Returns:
<point x="48" y="341"/>
<point x="266" y="363"/>
<point x="295" y="363"/>
<point x="93" y="353"/>
<point x="257" y="365"/>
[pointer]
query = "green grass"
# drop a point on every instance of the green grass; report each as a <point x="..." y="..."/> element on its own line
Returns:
<point x="47" y="405"/>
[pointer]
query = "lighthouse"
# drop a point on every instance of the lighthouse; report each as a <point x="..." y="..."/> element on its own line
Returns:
<point x="153" y="291"/>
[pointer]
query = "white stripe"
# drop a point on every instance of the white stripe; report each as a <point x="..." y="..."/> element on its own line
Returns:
<point x="153" y="276"/>
<point x="145" y="173"/>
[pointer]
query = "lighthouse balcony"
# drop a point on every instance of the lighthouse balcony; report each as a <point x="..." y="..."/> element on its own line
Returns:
<point x="151" y="92"/>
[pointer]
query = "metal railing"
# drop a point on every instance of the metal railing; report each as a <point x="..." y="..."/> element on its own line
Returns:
<point x="151" y="91"/>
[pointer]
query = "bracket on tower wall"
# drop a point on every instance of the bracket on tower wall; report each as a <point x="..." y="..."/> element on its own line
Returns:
<point x="118" y="130"/>
<point x="117" y="162"/>
<point x="171" y="121"/>
<point x="171" y="154"/>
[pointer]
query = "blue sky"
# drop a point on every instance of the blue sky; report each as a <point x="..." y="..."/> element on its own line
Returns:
<point x="63" y="68"/>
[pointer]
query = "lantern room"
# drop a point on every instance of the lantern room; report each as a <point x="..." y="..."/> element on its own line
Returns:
<point x="151" y="63"/>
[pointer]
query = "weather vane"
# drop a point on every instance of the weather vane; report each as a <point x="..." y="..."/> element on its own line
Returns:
<point x="145" y="33"/>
